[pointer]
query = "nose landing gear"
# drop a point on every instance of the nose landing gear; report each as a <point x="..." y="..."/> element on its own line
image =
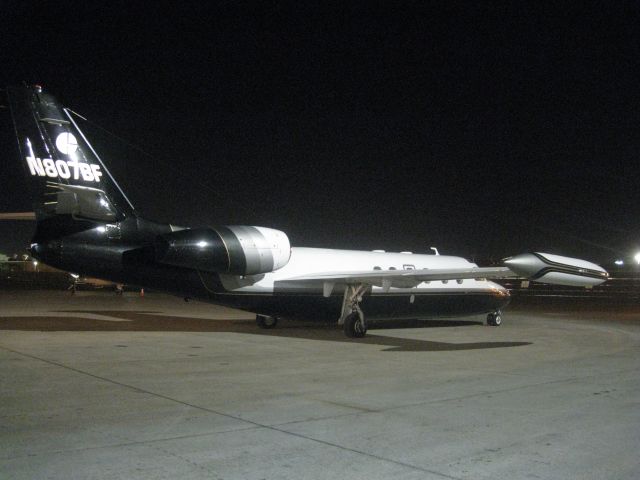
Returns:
<point x="494" y="319"/>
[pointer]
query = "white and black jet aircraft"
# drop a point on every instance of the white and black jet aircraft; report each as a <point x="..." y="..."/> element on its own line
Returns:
<point x="86" y="224"/>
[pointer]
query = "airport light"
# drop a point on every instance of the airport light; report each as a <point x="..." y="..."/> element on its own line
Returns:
<point x="619" y="262"/>
<point x="637" y="258"/>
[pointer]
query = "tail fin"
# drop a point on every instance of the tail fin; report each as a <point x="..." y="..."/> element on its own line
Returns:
<point x="65" y="174"/>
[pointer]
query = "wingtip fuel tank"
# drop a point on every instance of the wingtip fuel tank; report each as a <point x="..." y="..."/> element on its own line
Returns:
<point x="557" y="269"/>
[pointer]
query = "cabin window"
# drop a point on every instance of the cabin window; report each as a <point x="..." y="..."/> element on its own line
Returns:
<point x="445" y="281"/>
<point x="377" y="268"/>
<point x="392" y="268"/>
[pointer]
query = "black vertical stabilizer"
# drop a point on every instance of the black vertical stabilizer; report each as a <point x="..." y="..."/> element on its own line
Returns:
<point x="68" y="180"/>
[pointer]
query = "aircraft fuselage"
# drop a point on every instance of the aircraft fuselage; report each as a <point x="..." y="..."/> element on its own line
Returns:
<point x="102" y="251"/>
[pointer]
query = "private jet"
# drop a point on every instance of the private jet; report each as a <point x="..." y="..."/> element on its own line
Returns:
<point x="86" y="224"/>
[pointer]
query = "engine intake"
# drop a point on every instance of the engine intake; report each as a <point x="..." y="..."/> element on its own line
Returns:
<point x="237" y="250"/>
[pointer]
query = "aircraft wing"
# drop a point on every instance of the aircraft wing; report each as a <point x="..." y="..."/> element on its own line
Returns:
<point x="540" y="267"/>
<point x="400" y="278"/>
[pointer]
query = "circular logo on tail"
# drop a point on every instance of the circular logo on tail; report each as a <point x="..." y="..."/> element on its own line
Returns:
<point x="67" y="143"/>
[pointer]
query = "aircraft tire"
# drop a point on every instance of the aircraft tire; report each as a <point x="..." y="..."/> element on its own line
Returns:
<point x="354" y="326"/>
<point x="264" y="321"/>
<point x="494" y="319"/>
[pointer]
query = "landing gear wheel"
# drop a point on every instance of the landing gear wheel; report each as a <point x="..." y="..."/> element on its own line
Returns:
<point x="494" y="319"/>
<point x="354" y="326"/>
<point x="265" y="321"/>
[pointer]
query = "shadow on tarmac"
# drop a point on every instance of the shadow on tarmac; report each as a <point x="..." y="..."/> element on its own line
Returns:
<point x="147" y="321"/>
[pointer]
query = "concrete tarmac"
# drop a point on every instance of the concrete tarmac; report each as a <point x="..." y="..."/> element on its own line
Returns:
<point x="95" y="386"/>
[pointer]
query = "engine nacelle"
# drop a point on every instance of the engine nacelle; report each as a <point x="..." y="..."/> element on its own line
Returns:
<point x="557" y="270"/>
<point x="237" y="250"/>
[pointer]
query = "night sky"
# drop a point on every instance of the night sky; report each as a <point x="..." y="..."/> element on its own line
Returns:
<point x="485" y="129"/>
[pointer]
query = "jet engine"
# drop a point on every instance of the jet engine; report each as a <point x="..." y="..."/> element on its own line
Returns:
<point x="236" y="250"/>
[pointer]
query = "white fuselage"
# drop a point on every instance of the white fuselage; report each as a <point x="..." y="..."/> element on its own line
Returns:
<point x="306" y="261"/>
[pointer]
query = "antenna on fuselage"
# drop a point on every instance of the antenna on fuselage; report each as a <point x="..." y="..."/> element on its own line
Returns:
<point x="435" y="250"/>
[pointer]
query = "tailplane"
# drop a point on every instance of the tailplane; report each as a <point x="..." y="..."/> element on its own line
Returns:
<point x="66" y="176"/>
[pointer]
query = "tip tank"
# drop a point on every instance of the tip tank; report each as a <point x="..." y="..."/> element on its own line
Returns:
<point x="556" y="269"/>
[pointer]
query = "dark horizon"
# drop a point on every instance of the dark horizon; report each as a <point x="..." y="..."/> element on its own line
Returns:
<point x="483" y="130"/>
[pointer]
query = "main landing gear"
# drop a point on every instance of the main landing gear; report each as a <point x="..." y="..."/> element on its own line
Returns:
<point x="354" y="325"/>
<point x="494" y="319"/>
<point x="265" y="321"/>
<point x="352" y="317"/>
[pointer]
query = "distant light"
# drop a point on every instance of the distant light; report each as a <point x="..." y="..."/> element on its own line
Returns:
<point x="101" y="229"/>
<point x="619" y="262"/>
<point x="202" y="244"/>
<point x="637" y="258"/>
<point x="35" y="263"/>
